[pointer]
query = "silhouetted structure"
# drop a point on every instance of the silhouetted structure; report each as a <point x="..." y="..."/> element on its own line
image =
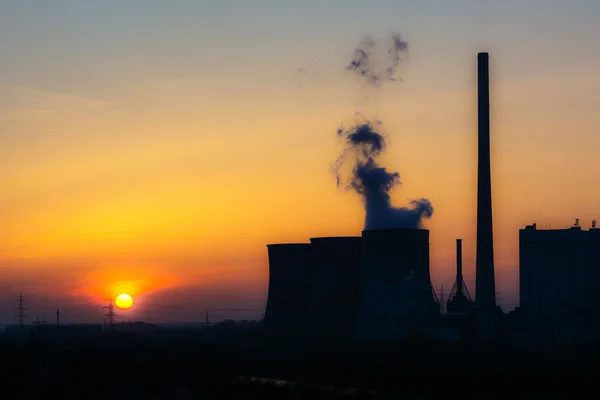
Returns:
<point x="397" y="296"/>
<point x="559" y="283"/>
<point x="288" y="299"/>
<point x="21" y="309"/>
<point x="377" y="286"/>
<point x="57" y="319"/>
<point x="391" y="285"/>
<point x="109" y="321"/>
<point x="37" y="323"/>
<point x="460" y="299"/>
<point x="334" y="286"/>
<point x="554" y="269"/>
<point x="485" y="281"/>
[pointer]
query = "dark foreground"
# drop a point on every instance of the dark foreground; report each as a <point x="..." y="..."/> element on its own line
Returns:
<point x="127" y="369"/>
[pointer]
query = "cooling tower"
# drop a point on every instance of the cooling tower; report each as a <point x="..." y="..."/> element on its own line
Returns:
<point x="287" y="302"/>
<point x="485" y="288"/>
<point x="396" y="287"/>
<point x="335" y="286"/>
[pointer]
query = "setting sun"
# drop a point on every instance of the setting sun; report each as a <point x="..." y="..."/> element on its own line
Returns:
<point x="124" y="301"/>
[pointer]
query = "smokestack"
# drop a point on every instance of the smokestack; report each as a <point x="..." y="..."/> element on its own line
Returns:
<point x="485" y="286"/>
<point x="459" y="274"/>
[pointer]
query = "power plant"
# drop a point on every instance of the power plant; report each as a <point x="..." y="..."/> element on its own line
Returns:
<point x="373" y="287"/>
<point x="378" y="286"/>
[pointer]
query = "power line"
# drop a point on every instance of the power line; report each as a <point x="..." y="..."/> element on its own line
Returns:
<point x="21" y="309"/>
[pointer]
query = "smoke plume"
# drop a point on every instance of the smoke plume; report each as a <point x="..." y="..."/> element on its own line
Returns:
<point x="373" y="67"/>
<point x="364" y="144"/>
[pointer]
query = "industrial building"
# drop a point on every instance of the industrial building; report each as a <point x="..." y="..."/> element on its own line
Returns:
<point x="370" y="287"/>
<point x="396" y="296"/>
<point x="559" y="284"/>
<point x="378" y="286"/>
<point x="558" y="269"/>
<point x="313" y="288"/>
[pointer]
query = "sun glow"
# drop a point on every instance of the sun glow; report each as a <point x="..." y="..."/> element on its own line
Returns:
<point x="124" y="301"/>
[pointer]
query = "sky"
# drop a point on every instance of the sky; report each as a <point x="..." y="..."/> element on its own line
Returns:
<point x="156" y="147"/>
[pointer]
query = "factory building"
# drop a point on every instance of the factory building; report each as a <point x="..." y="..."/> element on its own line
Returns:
<point x="558" y="269"/>
<point x="396" y="294"/>
<point x="288" y="296"/>
<point x="559" y="283"/>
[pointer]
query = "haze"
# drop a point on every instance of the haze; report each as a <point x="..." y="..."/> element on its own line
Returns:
<point x="155" y="148"/>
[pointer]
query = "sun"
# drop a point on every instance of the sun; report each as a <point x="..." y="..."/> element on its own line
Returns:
<point x="124" y="301"/>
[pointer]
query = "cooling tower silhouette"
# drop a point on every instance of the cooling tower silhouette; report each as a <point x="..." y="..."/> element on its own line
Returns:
<point x="396" y="294"/>
<point x="286" y="311"/>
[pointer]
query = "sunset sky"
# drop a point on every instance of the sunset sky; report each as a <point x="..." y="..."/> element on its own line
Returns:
<point x="156" y="147"/>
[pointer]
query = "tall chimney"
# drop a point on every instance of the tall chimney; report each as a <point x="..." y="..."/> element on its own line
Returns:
<point x="459" y="274"/>
<point x="485" y="286"/>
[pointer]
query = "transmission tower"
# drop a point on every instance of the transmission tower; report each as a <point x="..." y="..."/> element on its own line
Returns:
<point x="207" y="320"/>
<point x="21" y="302"/>
<point x="109" y="321"/>
<point x="37" y="322"/>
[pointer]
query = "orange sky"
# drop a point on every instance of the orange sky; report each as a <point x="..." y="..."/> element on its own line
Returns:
<point x="163" y="168"/>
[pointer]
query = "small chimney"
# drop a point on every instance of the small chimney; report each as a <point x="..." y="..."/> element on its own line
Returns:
<point x="459" y="274"/>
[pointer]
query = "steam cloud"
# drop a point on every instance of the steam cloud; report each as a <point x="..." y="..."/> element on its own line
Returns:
<point x="364" y="145"/>
<point x="366" y="62"/>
